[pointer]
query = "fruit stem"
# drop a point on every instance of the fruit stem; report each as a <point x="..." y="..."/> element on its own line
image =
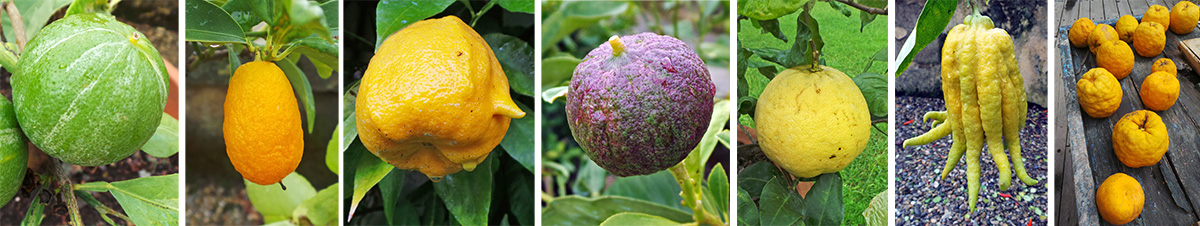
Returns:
<point x="59" y="171"/>
<point x="617" y="47"/>
<point x="692" y="194"/>
<point x="816" y="61"/>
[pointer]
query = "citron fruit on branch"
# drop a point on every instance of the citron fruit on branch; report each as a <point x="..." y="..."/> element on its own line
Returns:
<point x="89" y="90"/>
<point x="1119" y="199"/>
<point x="434" y="99"/>
<point x="14" y="153"/>
<point x="1099" y="93"/>
<point x="985" y="102"/>
<point x="640" y="104"/>
<point x="1140" y="139"/>
<point x="812" y="122"/>
<point x="263" y="135"/>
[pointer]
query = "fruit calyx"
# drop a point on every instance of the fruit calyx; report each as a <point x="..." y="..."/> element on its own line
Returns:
<point x="617" y="47"/>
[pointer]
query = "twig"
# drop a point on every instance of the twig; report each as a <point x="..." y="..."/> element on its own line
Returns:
<point x="692" y="195"/>
<point x="743" y="129"/>
<point x="58" y="169"/>
<point x="17" y="23"/>
<point x="867" y="9"/>
<point x="876" y="122"/>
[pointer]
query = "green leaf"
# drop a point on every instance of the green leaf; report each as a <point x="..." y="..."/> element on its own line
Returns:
<point x="215" y="27"/>
<point x="332" y="152"/>
<point x="516" y="57"/>
<point x="147" y="200"/>
<point x="302" y="87"/>
<point x="300" y="19"/>
<point x="874" y="88"/>
<point x="866" y="18"/>
<point x="369" y="170"/>
<point x="91" y="200"/>
<point x="724" y="139"/>
<point x="622" y="219"/>
<point x="390" y="189"/>
<point x="930" y="24"/>
<point x="772" y="26"/>
<point x="523" y="6"/>
<point x="659" y="187"/>
<point x="34" y="13"/>
<point x="590" y="179"/>
<point x="165" y="141"/>
<point x="554" y="93"/>
<point x="780" y="205"/>
<point x="322" y="208"/>
<point x="746" y="120"/>
<point x="234" y="62"/>
<point x="518" y="140"/>
<point x="520" y="192"/>
<point x="393" y="15"/>
<point x="572" y="16"/>
<point x="826" y="193"/>
<point x="876" y="212"/>
<point x="468" y="194"/>
<point x="747" y="209"/>
<point x="348" y="120"/>
<point x="718" y="186"/>
<point x="273" y="202"/>
<point x="33" y="216"/>
<point x="558" y="70"/>
<point x="248" y="13"/>
<point x="575" y="210"/>
<point x="322" y="53"/>
<point x="696" y="160"/>
<point x="87" y="6"/>
<point x="767" y="9"/>
<point x="755" y="177"/>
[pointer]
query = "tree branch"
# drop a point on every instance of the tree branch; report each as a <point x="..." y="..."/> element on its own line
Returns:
<point x="867" y="9"/>
<point x="17" y="23"/>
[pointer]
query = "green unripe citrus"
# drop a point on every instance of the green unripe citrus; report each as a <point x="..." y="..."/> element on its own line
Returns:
<point x="14" y="153"/>
<point x="89" y="90"/>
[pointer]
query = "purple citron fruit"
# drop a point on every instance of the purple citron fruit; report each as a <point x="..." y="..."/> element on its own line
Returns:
<point x="639" y="104"/>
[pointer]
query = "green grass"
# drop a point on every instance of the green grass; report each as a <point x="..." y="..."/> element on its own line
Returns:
<point x="846" y="48"/>
<point x="865" y="177"/>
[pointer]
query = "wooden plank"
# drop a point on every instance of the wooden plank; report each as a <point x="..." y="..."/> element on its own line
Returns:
<point x="1084" y="186"/>
<point x="1122" y="7"/>
<point x="1138" y="7"/>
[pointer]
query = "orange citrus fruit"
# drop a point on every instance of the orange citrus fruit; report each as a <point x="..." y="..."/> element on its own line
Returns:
<point x="1163" y="64"/>
<point x="1116" y="57"/>
<point x="263" y="135"/>
<point x="1149" y="39"/>
<point x="1103" y="33"/>
<point x="1125" y="27"/>
<point x="1079" y="32"/>
<point x="1119" y="199"/>
<point x="1184" y="16"/>
<point x="1157" y="13"/>
<point x="1140" y="139"/>
<point x="1160" y="90"/>
<point x="1099" y="93"/>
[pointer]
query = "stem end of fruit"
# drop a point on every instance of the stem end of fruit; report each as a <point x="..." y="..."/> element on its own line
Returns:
<point x="617" y="47"/>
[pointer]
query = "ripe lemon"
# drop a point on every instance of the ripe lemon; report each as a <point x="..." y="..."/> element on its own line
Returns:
<point x="263" y="135"/>
<point x="812" y="122"/>
<point x="434" y="99"/>
<point x="1149" y="39"/>
<point x="1119" y="199"/>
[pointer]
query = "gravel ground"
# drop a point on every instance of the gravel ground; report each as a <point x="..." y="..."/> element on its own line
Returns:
<point x="923" y="199"/>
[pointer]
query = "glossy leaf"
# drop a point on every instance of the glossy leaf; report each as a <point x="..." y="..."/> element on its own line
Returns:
<point x="767" y="9"/>
<point x="523" y="6"/>
<point x="590" y="179"/>
<point x="747" y="209"/>
<point x="572" y="16"/>
<point x="695" y="161"/>
<point x="390" y="188"/>
<point x="520" y="193"/>
<point x="87" y="6"/>
<point x="332" y="152"/>
<point x="755" y="177"/>
<point x="557" y="70"/>
<point x="33" y="216"/>
<point x="622" y="219"/>
<point x="658" y="187"/>
<point x="351" y="132"/>
<point x="930" y="24"/>
<point x="516" y="57"/>
<point x="248" y="13"/>
<point x="215" y="27"/>
<point x="874" y="88"/>
<point x="302" y="87"/>
<point x="575" y="210"/>
<point x="826" y="193"/>
<point x="718" y="186"/>
<point x="468" y="194"/>
<point x="781" y="206"/>
<point x="724" y="139"/>
<point x="552" y="94"/>
<point x="234" y="51"/>
<point x="369" y="170"/>
<point x="34" y="13"/>
<point x="147" y="200"/>
<point x="518" y="140"/>
<point x="393" y="15"/>
<point x="165" y="141"/>
<point x="322" y="208"/>
<point x="322" y="53"/>
<point x="273" y="202"/>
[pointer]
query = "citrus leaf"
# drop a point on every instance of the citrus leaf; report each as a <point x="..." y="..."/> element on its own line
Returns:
<point x="573" y="15"/>
<point x="247" y="13"/>
<point x="33" y="216"/>
<point x="468" y="194"/>
<point x="390" y="188"/>
<point x="590" y="179"/>
<point x="755" y="177"/>
<point x="554" y="93"/>
<point x="34" y="14"/>
<point x="518" y="140"/>
<point x="87" y="6"/>
<point x="659" y="187"/>
<point x="165" y="141"/>
<point x="874" y="88"/>
<point x="393" y="15"/>
<point x="558" y="70"/>
<point x="767" y="9"/>
<point x="696" y="161"/>
<point x="148" y="200"/>
<point x="320" y="209"/>
<point x="302" y="88"/>
<point x="575" y="210"/>
<point x="636" y="219"/>
<point x="215" y="27"/>
<point x="747" y="209"/>
<point x="273" y="202"/>
<point x="780" y="206"/>
<point x="369" y="170"/>
<point x="718" y="186"/>
<point x="523" y="6"/>
<point x="826" y="193"/>
<point x="516" y="57"/>
<point x="876" y="212"/>
<point x="930" y="24"/>
<point x="332" y="151"/>
<point x="348" y="120"/>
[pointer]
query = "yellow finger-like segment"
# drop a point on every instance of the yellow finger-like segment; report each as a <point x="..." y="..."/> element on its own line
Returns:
<point x="951" y="68"/>
<point x="987" y="84"/>
<point x="939" y="131"/>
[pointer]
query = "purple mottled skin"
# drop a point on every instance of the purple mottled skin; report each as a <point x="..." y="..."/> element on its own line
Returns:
<point x="642" y="111"/>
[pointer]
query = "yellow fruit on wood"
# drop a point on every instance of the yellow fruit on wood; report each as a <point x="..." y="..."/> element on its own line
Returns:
<point x="812" y="123"/>
<point x="1079" y="32"/>
<point x="1140" y="139"/>
<point x="434" y="99"/>
<point x="1119" y="199"/>
<point x="1184" y="16"/>
<point x="1164" y="64"/>
<point x="1157" y="13"/>
<point x="1159" y="91"/>
<point x="1149" y="39"/>
<point x="1116" y="57"/>
<point x="1099" y="93"/>
<point x="263" y="135"/>
<point x="1103" y="33"/>
<point x="1125" y="27"/>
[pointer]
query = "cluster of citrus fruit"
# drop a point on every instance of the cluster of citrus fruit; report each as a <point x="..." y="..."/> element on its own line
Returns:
<point x="1140" y="138"/>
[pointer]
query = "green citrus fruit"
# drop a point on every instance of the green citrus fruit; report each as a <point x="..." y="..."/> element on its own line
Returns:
<point x="14" y="153"/>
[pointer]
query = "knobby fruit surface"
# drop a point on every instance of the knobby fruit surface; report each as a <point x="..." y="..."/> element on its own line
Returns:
<point x="1119" y="199"/>
<point x="1080" y="31"/>
<point x="812" y="123"/>
<point x="1184" y="16"/>
<point x="1116" y="57"/>
<point x="1140" y="139"/>
<point x="1165" y="65"/>
<point x="640" y="104"/>
<point x="434" y="99"/>
<point x="1149" y="39"/>
<point x="1158" y="13"/>
<point x="90" y="90"/>
<point x="1099" y="93"/>
<point x="1125" y="27"/>
<point x="1159" y="91"/>
<point x="263" y="134"/>
<point x="1103" y="33"/>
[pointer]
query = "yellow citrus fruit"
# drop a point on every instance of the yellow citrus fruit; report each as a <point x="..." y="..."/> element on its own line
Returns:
<point x="1149" y="39"/>
<point x="1099" y="93"/>
<point x="263" y="135"/>
<point x="1184" y="16"/>
<point x="434" y="99"/>
<point x="1119" y="199"/>
<point x="1157" y="13"/>
<point x="1116" y="57"/>
<point x="1103" y="33"/>
<point x="1159" y="91"/>
<point x="1164" y="64"/>
<point x="1079" y="32"/>
<point x="812" y="122"/>
<point x="1125" y="27"/>
<point x="1140" y="139"/>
